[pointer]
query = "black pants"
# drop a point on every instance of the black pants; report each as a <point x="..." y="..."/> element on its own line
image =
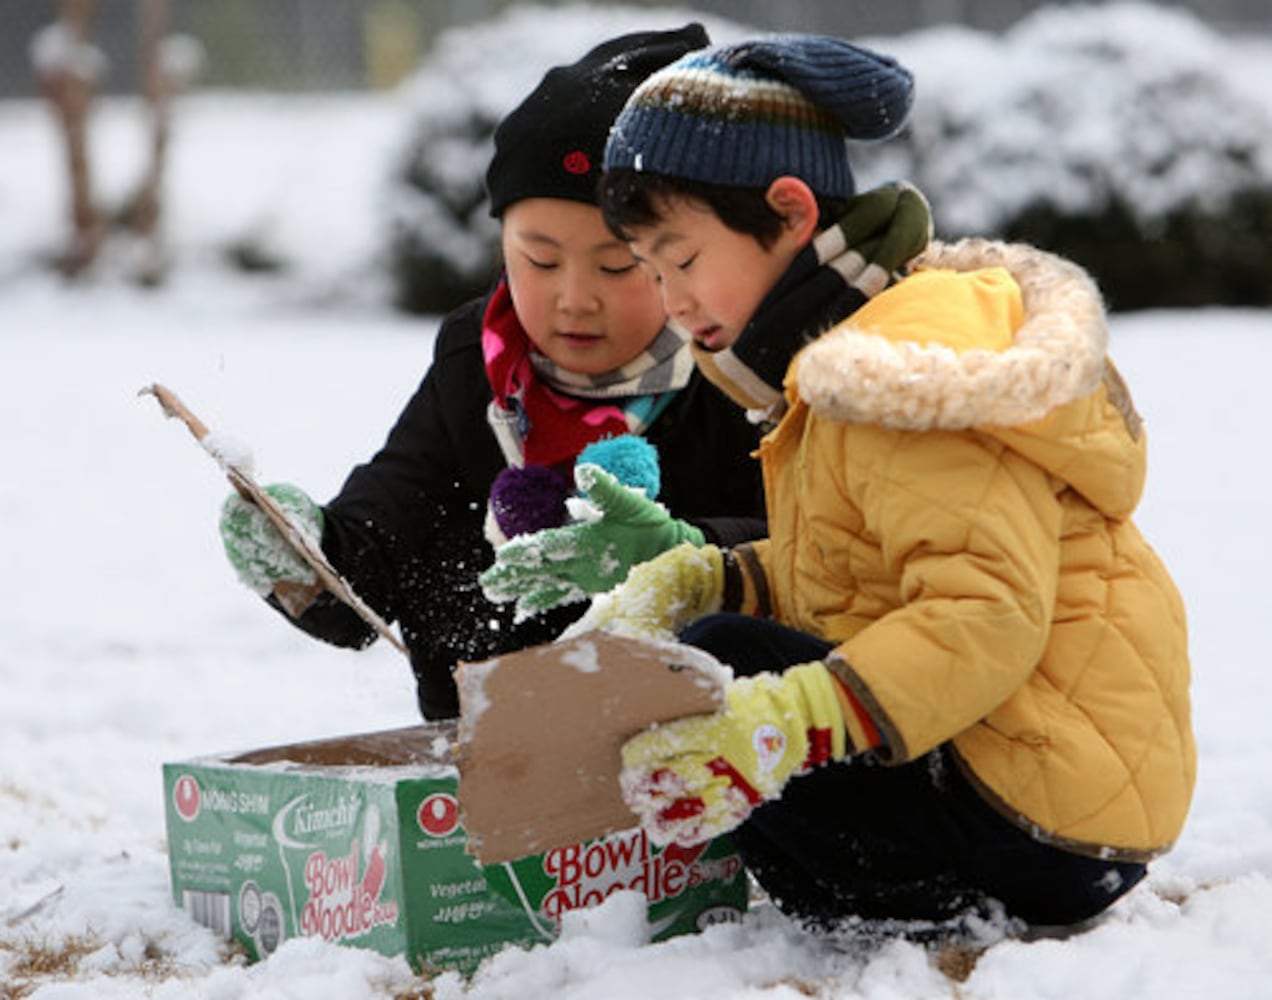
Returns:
<point x="907" y="842"/>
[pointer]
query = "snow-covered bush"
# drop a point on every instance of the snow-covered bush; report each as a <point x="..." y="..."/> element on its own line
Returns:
<point x="1128" y="136"/>
<point x="444" y="244"/>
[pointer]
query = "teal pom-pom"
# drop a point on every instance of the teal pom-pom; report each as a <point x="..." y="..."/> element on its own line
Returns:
<point x="630" y="459"/>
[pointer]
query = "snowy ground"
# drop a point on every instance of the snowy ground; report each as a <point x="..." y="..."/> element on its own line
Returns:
<point x="125" y="641"/>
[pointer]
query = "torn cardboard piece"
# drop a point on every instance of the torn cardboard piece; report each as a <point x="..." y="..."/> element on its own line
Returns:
<point x="541" y="733"/>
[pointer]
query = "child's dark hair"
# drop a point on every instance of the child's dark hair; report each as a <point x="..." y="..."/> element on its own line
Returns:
<point x="627" y="199"/>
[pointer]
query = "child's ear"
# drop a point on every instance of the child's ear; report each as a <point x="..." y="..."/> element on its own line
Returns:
<point x="795" y="202"/>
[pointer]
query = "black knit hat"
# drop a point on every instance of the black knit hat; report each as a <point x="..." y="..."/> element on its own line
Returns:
<point x="551" y="145"/>
<point x="745" y="114"/>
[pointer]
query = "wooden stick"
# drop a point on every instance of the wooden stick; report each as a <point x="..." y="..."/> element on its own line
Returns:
<point x="296" y="536"/>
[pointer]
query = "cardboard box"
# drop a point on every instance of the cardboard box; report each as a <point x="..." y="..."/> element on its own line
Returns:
<point x="358" y="840"/>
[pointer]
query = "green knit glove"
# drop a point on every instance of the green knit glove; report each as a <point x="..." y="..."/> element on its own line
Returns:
<point x="562" y="565"/>
<point x="261" y="557"/>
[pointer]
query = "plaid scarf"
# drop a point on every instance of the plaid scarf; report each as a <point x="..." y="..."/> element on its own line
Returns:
<point x="832" y="277"/>
<point x="545" y="415"/>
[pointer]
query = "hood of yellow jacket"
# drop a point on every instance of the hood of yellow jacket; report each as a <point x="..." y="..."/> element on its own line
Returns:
<point x="1003" y="339"/>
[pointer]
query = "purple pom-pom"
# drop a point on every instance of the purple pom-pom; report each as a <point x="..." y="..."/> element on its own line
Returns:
<point x="528" y="499"/>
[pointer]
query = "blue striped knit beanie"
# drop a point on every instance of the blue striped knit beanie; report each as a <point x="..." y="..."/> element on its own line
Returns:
<point x="743" y="115"/>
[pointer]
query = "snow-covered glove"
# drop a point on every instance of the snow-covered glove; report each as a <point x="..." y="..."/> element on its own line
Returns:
<point x="698" y="777"/>
<point x="659" y="597"/>
<point x="557" y="566"/>
<point x="261" y="557"/>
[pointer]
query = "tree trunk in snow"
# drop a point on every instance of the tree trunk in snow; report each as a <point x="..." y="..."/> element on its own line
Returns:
<point x="68" y="69"/>
<point x="157" y="87"/>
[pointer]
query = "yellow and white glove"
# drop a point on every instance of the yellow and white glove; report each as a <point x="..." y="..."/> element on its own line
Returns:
<point x="698" y="777"/>
<point x="659" y="597"/>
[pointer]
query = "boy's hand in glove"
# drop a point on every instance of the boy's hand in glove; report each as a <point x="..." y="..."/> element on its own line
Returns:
<point x="659" y="597"/>
<point x="261" y="557"/>
<point x="698" y="777"/>
<point x="562" y="565"/>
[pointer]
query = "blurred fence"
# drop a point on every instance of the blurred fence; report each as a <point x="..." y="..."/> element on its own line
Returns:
<point x="354" y="44"/>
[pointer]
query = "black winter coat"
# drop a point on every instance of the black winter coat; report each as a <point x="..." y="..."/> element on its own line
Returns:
<point x="406" y="528"/>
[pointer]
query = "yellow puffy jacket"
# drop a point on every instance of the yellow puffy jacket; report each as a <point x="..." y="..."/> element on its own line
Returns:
<point x="949" y="499"/>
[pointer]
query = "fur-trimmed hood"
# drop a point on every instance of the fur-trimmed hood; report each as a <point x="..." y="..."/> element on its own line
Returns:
<point x="856" y="373"/>
<point x="1001" y="338"/>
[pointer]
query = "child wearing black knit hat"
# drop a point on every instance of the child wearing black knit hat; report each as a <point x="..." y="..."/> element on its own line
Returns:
<point x="571" y="347"/>
<point x="876" y="232"/>
<point x="962" y="672"/>
<point x="551" y="145"/>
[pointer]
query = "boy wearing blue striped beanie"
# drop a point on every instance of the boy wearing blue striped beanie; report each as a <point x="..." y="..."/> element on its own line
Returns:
<point x="961" y="673"/>
<point x="722" y="125"/>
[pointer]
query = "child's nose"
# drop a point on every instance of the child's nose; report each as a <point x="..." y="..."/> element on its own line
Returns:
<point x="676" y="300"/>
<point x="577" y="293"/>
